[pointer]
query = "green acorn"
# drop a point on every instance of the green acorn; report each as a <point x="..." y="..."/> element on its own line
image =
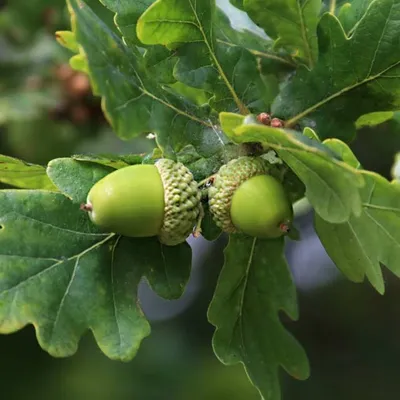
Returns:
<point x="147" y="200"/>
<point x="244" y="198"/>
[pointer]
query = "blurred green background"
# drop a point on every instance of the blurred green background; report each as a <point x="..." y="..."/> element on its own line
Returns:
<point x="351" y="333"/>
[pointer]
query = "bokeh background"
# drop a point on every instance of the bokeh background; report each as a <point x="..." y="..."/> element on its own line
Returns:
<point x="351" y="334"/>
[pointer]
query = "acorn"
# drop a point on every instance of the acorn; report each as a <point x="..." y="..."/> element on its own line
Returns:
<point x="147" y="200"/>
<point x="245" y="198"/>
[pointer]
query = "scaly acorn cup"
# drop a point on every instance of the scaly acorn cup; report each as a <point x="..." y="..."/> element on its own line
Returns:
<point x="244" y="198"/>
<point x="147" y="200"/>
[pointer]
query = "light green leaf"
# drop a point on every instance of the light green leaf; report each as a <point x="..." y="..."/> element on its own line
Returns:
<point x="23" y="175"/>
<point x="67" y="39"/>
<point x="79" y="62"/>
<point x="254" y="286"/>
<point x="332" y="187"/>
<point x="344" y="151"/>
<point x="66" y="172"/>
<point x="230" y="122"/>
<point x="376" y="118"/>
<point x="311" y="134"/>
<point x="168" y="22"/>
<point x="340" y="94"/>
<point x="396" y="168"/>
<point x="292" y="23"/>
<point x="196" y="96"/>
<point x="113" y="161"/>
<point x="359" y="245"/>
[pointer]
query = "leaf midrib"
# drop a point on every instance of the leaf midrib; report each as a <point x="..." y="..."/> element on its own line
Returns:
<point x="52" y="266"/>
<point x="329" y="187"/>
<point x="242" y="108"/>
<point x="304" y="34"/>
<point x="239" y="319"/>
<point x="292" y="121"/>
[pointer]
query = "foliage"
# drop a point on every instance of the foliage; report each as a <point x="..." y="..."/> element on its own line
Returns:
<point x="178" y="70"/>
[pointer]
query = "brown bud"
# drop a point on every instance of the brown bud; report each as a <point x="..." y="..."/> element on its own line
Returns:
<point x="277" y="123"/>
<point x="264" y="118"/>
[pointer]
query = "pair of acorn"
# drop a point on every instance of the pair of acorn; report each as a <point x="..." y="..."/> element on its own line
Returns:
<point x="164" y="200"/>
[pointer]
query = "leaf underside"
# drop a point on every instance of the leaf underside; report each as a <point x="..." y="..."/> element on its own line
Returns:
<point x="360" y="245"/>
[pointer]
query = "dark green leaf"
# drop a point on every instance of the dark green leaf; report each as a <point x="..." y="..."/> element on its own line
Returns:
<point x="244" y="37"/>
<point x="353" y="76"/>
<point x="160" y="62"/>
<point x="294" y="187"/>
<point x="204" y="63"/>
<point x="209" y="229"/>
<point x="254" y="286"/>
<point x="23" y="175"/>
<point x="351" y="13"/>
<point x="272" y="64"/>
<point x="127" y="13"/>
<point x="292" y="23"/>
<point x="62" y="275"/>
<point x="133" y="101"/>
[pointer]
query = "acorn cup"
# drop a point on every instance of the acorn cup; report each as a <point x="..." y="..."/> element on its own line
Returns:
<point x="147" y="200"/>
<point x="245" y="198"/>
